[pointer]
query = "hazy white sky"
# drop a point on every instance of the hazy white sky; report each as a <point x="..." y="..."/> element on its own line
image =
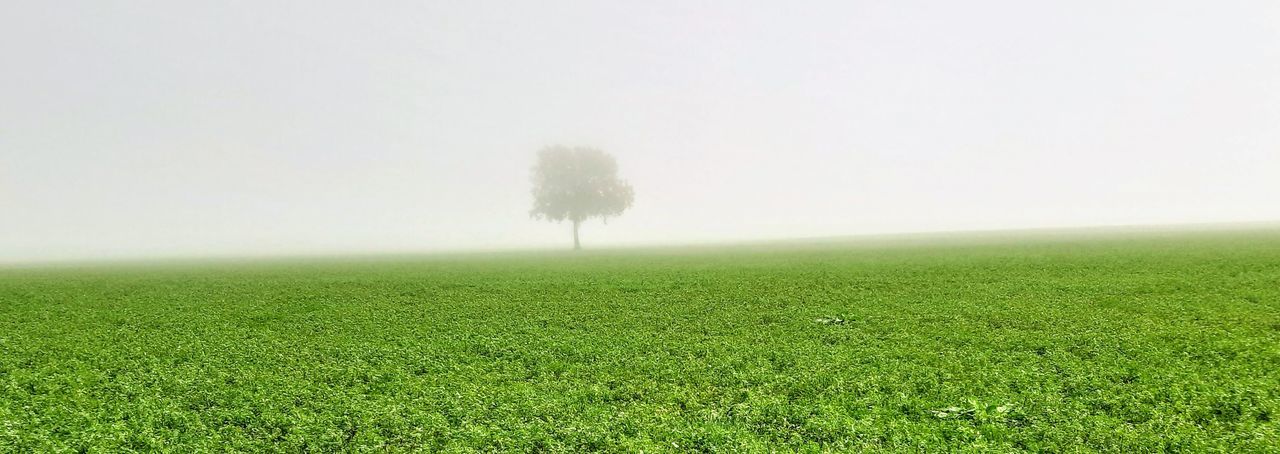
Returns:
<point x="145" y="128"/>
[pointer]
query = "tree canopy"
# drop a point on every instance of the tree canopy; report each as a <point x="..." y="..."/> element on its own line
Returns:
<point x="576" y="184"/>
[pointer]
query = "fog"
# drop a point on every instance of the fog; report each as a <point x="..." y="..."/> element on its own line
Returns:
<point x="160" y="128"/>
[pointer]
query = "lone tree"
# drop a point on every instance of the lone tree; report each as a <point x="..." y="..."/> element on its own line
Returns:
<point x="577" y="183"/>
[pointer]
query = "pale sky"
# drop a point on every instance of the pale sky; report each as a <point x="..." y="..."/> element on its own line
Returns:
<point x="184" y="128"/>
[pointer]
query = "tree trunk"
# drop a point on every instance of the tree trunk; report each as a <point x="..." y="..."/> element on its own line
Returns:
<point x="576" y="244"/>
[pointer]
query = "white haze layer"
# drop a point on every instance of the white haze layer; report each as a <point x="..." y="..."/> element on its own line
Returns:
<point x="170" y="128"/>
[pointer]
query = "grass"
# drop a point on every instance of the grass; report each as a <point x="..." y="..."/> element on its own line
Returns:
<point x="1123" y="343"/>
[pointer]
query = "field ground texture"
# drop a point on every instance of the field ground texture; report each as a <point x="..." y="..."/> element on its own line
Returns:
<point x="1131" y="342"/>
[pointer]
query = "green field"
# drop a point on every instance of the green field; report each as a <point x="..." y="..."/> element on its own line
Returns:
<point x="1124" y="342"/>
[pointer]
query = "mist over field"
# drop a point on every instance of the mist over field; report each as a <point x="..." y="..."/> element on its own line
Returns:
<point x="669" y="226"/>
<point x="150" y="128"/>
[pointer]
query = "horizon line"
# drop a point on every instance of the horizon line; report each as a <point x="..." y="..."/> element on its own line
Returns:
<point x="741" y="242"/>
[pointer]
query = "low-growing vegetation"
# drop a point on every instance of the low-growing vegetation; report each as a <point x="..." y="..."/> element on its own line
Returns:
<point x="1132" y="343"/>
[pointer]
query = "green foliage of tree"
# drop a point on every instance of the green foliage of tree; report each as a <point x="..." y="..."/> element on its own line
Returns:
<point x="576" y="184"/>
